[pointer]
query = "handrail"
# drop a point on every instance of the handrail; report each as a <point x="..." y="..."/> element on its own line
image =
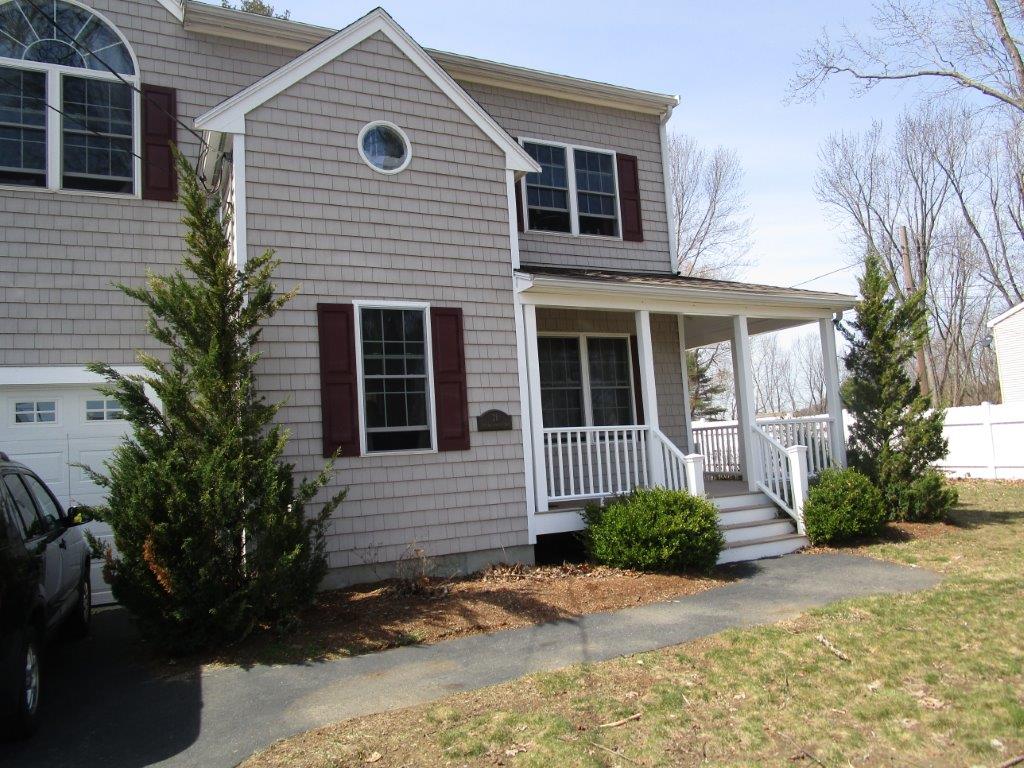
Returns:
<point x="781" y="473"/>
<point x="719" y="442"/>
<point x="682" y="472"/>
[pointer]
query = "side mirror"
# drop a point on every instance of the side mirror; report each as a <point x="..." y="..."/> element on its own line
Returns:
<point x="79" y="514"/>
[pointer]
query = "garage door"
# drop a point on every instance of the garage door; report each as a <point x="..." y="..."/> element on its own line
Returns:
<point x="49" y="429"/>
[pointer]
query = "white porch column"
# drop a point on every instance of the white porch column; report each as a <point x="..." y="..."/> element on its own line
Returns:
<point x="687" y="421"/>
<point x="649" y="392"/>
<point x="540" y="475"/>
<point x="833" y="402"/>
<point x="746" y="415"/>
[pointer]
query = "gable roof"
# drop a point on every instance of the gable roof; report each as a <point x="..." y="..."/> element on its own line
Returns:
<point x="229" y="115"/>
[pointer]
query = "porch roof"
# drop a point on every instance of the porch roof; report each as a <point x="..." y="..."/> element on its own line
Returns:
<point x="707" y="304"/>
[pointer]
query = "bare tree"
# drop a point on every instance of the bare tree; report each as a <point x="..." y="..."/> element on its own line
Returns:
<point x="932" y="179"/>
<point x="963" y="45"/>
<point x="709" y="212"/>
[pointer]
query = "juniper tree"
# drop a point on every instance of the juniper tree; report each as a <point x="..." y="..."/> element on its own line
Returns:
<point x="211" y="529"/>
<point x="896" y="435"/>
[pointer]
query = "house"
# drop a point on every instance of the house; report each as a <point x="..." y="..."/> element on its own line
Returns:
<point x="1008" y="339"/>
<point x="489" y="326"/>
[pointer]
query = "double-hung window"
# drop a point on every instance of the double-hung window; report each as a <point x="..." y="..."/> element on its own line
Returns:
<point x="586" y="381"/>
<point x="69" y="101"/>
<point x="576" y="191"/>
<point x="395" y="357"/>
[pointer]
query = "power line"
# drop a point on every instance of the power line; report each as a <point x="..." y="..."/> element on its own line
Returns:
<point x="827" y="274"/>
<point x="75" y="42"/>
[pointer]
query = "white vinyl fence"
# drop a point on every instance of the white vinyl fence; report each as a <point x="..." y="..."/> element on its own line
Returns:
<point x="985" y="441"/>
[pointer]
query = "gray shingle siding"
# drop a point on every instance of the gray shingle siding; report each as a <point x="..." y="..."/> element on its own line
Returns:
<point x="545" y="117"/>
<point x="61" y="251"/>
<point x="436" y="232"/>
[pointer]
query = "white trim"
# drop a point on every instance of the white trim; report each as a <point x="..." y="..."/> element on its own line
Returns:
<point x="229" y="115"/>
<point x="525" y="419"/>
<point x="239" y="223"/>
<point x="559" y="522"/>
<point x="743" y="379"/>
<point x="174" y="7"/>
<point x="513" y="216"/>
<point x="1006" y="315"/>
<point x="574" y="203"/>
<point x="428" y="352"/>
<point x="387" y="124"/>
<point x="536" y="415"/>
<point x="833" y="399"/>
<point x="649" y="393"/>
<point x="28" y="376"/>
<point x="673" y="245"/>
<point x="551" y="290"/>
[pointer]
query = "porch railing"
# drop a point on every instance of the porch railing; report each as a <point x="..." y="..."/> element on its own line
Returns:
<point x="781" y="473"/>
<point x="719" y="442"/>
<point x="682" y="472"/>
<point x="585" y="462"/>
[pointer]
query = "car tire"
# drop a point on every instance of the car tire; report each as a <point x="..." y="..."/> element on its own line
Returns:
<point x="24" y="687"/>
<point x="81" y="615"/>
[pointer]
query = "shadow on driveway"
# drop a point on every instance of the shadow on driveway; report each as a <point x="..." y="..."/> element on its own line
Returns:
<point x="102" y="706"/>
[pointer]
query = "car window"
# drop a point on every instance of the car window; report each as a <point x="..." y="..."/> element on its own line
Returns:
<point x="24" y="507"/>
<point x="45" y="503"/>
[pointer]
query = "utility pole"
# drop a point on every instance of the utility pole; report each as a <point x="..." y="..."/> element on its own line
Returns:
<point x="909" y="287"/>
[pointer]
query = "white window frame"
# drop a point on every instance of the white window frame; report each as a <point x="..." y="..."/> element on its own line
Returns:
<point x="588" y="401"/>
<point x="570" y="169"/>
<point x="428" y="351"/>
<point x="387" y="124"/>
<point x="35" y="400"/>
<point x="54" y="119"/>
<point x="105" y="420"/>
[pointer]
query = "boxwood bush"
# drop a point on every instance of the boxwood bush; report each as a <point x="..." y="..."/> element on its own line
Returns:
<point x="843" y="505"/>
<point x="655" y="529"/>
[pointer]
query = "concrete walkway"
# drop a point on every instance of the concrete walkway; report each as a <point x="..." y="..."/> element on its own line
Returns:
<point x="102" y="710"/>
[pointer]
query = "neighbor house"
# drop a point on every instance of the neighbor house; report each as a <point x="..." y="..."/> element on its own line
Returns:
<point x="1008" y="340"/>
<point x="488" y="327"/>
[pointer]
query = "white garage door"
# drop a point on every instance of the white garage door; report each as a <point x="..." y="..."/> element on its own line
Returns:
<point x="51" y="428"/>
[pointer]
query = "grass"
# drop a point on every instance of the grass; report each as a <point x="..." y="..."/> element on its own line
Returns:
<point x="930" y="679"/>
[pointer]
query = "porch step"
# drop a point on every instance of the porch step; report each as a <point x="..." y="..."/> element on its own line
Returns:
<point x="757" y="549"/>
<point x="739" y="533"/>
<point x="742" y="501"/>
<point x="755" y="513"/>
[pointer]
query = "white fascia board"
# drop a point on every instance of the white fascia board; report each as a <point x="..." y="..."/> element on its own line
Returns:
<point x="174" y="7"/>
<point x="1006" y="315"/>
<point x="37" y="375"/>
<point x="556" y="291"/>
<point x="229" y="115"/>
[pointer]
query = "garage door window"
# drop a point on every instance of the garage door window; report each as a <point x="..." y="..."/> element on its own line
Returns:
<point x="103" y="410"/>
<point x="35" y="412"/>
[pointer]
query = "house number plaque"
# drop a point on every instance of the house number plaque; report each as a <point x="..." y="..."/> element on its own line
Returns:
<point x="493" y="421"/>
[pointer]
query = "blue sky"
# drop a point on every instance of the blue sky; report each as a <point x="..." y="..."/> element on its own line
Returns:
<point x="729" y="63"/>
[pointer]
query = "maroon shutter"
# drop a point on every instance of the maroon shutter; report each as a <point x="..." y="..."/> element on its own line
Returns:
<point x="450" y="401"/>
<point x="638" y="395"/>
<point x="629" y="198"/>
<point x="159" y="132"/>
<point x="339" y="392"/>
<point x="519" y="207"/>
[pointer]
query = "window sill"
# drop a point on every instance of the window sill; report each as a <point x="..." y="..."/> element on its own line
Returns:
<point x="71" y="192"/>
<point x="606" y="238"/>
<point x="407" y="452"/>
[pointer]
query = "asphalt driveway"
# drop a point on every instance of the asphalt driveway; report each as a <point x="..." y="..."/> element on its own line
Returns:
<point x="103" y="707"/>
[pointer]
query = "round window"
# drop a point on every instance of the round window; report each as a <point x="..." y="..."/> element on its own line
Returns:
<point x="384" y="147"/>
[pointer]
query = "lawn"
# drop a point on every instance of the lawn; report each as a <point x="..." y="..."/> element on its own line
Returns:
<point x="930" y="679"/>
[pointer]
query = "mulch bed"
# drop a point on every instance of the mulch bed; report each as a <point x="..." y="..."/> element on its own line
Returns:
<point x="387" y="614"/>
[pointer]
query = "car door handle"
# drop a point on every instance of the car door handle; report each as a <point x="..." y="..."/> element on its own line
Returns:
<point x="63" y="544"/>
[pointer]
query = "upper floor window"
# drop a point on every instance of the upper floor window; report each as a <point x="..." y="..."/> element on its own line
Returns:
<point x="576" y="191"/>
<point x="69" y="99"/>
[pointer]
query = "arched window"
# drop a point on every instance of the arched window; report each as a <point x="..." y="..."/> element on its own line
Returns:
<point x="68" y="99"/>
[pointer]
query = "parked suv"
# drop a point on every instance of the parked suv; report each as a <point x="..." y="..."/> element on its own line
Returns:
<point x="44" y="585"/>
